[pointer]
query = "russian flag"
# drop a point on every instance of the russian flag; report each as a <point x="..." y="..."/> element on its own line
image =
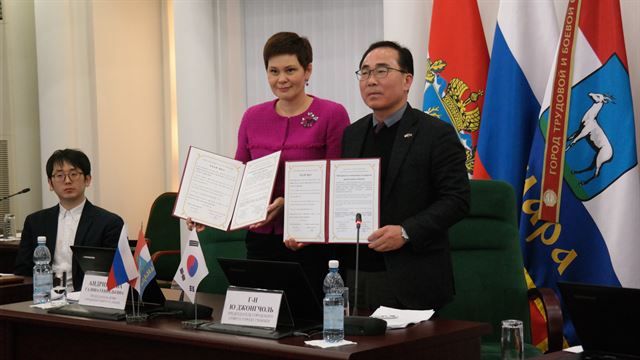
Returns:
<point x="457" y="70"/>
<point x="595" y="238"/>
<point x="123" y="268"/>
<point x="524" y="43"/>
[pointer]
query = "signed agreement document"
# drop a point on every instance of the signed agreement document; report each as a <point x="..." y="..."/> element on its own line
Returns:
<point x="224" y="193"/>
<point x="322" y="198"/>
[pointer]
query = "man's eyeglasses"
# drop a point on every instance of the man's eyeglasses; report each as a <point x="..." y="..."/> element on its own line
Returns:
<point x="380" y="72"/>
<point x="73" y="176"/>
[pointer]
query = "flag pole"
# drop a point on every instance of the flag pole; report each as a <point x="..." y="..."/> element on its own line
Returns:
<point x="133" y="305"/>
<point x="195" y="308"/>
<point x="139" y="277"/>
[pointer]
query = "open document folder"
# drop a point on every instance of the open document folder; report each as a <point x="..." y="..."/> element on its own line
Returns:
<point x="322" y="198"/>
<point x="224" y="193"/>
<point x="397" y="319"/>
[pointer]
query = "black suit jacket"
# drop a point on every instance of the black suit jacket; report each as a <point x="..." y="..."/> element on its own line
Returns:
<point x="426" y="191"/>
<point x="97" y="227"/>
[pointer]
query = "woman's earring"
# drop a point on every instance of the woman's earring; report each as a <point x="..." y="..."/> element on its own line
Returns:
<point x="306" y="82"/>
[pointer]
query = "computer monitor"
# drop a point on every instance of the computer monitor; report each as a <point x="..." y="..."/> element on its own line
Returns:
<point x="604" y="317"/>
<point x="96" y="259"/>
<point x="276" y="275"/>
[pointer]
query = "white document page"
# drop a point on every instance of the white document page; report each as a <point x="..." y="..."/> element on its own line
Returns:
<point x="305" y="201"/>
<point x="209" y="188"/>
<point x="397" y="318"/>
<point x="255" y="191"/>
<point x="354" y="188"/>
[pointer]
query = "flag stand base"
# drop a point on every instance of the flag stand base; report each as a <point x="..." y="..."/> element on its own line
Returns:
<point x="131" y="318"/>
<point x="193" y="324"/>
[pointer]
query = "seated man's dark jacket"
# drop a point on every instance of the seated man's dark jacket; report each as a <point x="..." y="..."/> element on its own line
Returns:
<point x="97" y="227"/>
<point x="426" y="191"/>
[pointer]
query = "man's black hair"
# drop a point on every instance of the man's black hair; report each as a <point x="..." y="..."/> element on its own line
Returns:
<point x="72" y="156"/>
<point x="405" y="59"/>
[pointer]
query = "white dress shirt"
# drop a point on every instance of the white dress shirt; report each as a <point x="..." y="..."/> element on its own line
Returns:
<point x="67" y="226"/>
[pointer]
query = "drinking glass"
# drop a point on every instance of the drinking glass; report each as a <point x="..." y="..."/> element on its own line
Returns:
<point x="9" y="226"/>
<point x="511" y="340"/>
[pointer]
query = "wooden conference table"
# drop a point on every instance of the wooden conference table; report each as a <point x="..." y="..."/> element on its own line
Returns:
<point x="16" y="291"/>
<point x="8" y="252"/>
<point x="27" y="333"/>
<point x="559" y="355"/>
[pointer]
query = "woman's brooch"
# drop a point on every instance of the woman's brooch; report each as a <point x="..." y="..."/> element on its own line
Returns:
<point x="309" y="119"/>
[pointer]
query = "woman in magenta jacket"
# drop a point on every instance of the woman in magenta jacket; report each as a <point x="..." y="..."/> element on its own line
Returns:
<point x="303" y="127"/>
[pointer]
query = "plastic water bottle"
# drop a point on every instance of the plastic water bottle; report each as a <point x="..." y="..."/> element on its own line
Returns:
<point x="333" y="303"/>
<point x="42" y="273"/>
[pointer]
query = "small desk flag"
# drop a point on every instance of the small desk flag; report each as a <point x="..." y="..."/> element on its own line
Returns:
<point x="123" y="268"/>
<point x="192" y="268"/>
<point x="142" y="257"/>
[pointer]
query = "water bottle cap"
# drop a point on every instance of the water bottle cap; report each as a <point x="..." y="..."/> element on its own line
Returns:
<point x="42" y="239"/>
<point x="334" y="264"/>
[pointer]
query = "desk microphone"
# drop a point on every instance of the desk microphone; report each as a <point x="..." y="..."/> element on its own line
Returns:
<point x="355" y="298"/>
<point x="361" y="325"/>
<point x="25" y="190"/>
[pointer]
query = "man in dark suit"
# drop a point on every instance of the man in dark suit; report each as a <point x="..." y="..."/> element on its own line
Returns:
<point x="74" y="221"/>
<point x="424" y="189"/>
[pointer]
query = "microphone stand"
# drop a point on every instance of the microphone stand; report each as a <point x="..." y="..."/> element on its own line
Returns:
<point x="361" y="325"/>
<point x="18" y="193"/>
<point x="355" y="297"/>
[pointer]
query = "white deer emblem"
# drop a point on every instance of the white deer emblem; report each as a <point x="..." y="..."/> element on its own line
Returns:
<point x="591" y="131"/>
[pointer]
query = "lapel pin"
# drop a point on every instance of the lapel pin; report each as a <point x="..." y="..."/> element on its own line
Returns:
<point x="408" y="135"/>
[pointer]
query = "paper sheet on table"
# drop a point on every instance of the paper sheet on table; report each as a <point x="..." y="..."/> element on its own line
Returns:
<point x="325" y="344"/>
<point x="73" y="296"/>
<point x="574" y="349"/>
<point x="397" y="319"/>
<point x="50" y="305"/>
<point x="12" y="238"/>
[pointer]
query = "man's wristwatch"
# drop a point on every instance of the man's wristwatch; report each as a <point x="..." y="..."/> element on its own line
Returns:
<point x="404" y="234"/>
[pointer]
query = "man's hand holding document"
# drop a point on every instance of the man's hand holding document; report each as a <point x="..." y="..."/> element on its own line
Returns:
<point x="322" y="198"/>
<point x="224" y="193"/>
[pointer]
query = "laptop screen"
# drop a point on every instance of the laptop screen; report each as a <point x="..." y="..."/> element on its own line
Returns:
<point x="91" y="258"/>
<point x="605" y="317"/>
<point x="276" y="275"/>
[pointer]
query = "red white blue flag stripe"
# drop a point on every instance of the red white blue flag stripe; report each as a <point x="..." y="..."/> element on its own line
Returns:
<point x="123" y="268"/>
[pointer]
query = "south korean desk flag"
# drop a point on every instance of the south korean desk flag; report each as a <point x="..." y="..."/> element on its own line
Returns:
<point x="192" y="267"/>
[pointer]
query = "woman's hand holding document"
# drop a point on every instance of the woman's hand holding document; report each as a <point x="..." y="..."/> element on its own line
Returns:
<point x="224" y="193"/>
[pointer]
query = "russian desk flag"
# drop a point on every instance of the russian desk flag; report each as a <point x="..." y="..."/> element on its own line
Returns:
<point x="123" y="268"/>
<point x="142" y="257"/>
<point x="457" y="70"/>
<point x="193" y="268"/>
<point x="583" y="165"/>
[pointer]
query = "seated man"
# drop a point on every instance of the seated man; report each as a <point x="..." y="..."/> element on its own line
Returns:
<point x="74" y="221"/>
